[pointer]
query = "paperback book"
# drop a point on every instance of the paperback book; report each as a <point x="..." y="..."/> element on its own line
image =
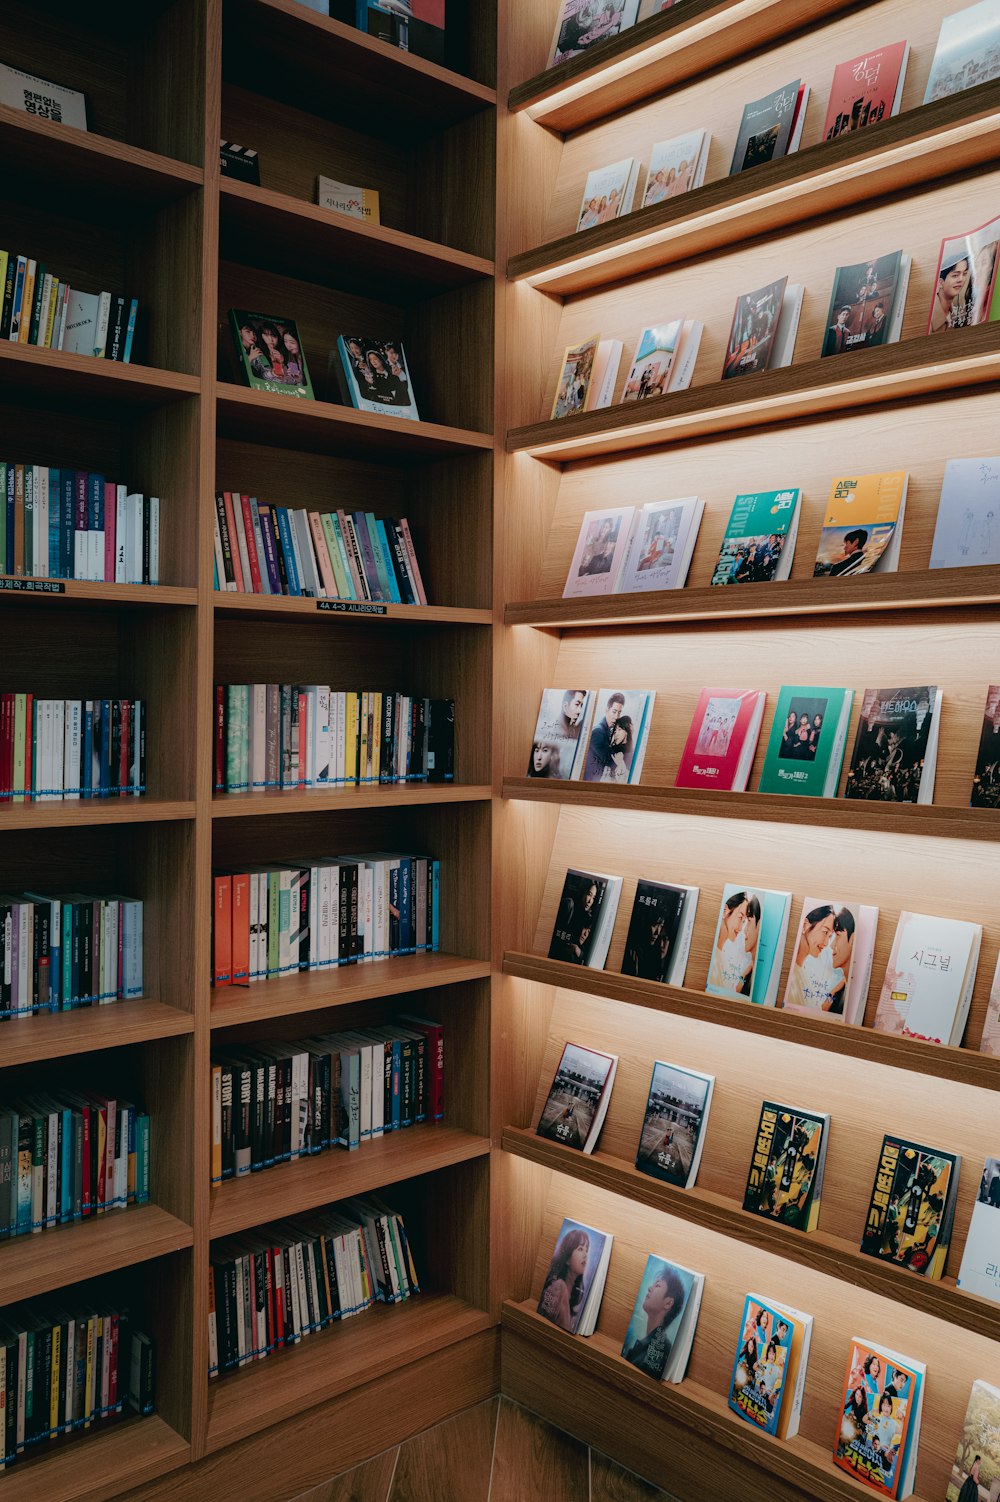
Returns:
<point x="74" y="524"/>
<point x="805" y="751"/>
<point x="664" y="360"/>
<point x="675" y="1123"/>
<point x="585" y="919"/>
<point x="832" y="960"/>
<point x="760" y="539"/>
<point x="39" y="307"/>
<point x="866" y="90"/>
<point x="966" y="278"/>
<point x="608" y="193"/>
<point x="769" y="1372"/>
<point x="416" y="26"/>
<point x="980" y="1270"/>
<point x="862" y="525"/>
<point x="986" y="782"/>
<point x="878" y="1428"/>
<point x="895" y="747"/>
<point x="599" y="553"/>
<point x="659" y="932"/>
<point x="578" y="1098"/>
<point x="661" y="1331"/>
<point x="661" y="545"/>
<point x="967" y="530"/>
<point x="676" y="166"/>
<point x="967" y="52"/>
<point x="619" y="735"/>
<point x="929" y="979"/>
<point x="771" y="127"/>
<point x="588" y="375"/>
<point x="785" y="1181"/>
<point x="559" y="744"/>
<point x="341" y="198"/>
<point x="270" y="354"/>
<point x="42" y="99"/>
<point x="372" y="376"/>
<point x="977" y="1459"/>
<point x="721" y="743"/>
<point x="866" y="304"/>
<point x="912" y="1206"/>
<point x="749" y="944"/>
<point x="240" y="162"/>
<point x="584" y="23"/>
<point x="990" y="1041"/>
<point x="574" y="1284"/>
<point x="762" y="336"/>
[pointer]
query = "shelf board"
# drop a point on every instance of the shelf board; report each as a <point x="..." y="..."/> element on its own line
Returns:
<point x="103" y="596"/>
<point x="658" y="54"/>
<point x="924" y="366"/>
<point x="52" y="373"/>
<point x="99" y="1463"/>
<point x="291" y="1188"/>
<point x="965" y="1066"/>
<point x="56" y="1035"/>
<point x="818" y="1250"/>
<point x="941" y="588"/>
<point x="338" y="799"/>
<point x="540" y="1356"/>
<point x="341" y="1357"/>
<point x="772" y="808"/>
<point x="949" y="135"/>
<point x="325" y="428"/>
<point x="267" y="607"/>
<point x="312" y="991"/>
<point x="68" y="812"/>
<point x="271" y="230"/>
<point x="30" y="1265"/>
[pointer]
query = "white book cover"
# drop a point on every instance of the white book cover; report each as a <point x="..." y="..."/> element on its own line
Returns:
<point x="661" y="544"/>
<point x="606" y="363"/>
<point x="599" y="553"/>
<point x="653" y="361"/>
<point x="980" y="1270"/>
<point x="619" y="735"/>
<point x="341" y="198"/>
<point x="608" y="193"/>
<point x="990" y="1041"/>
<point x="788" y="326"/>
<point x="81" y="322"/>
<point x="967" y="52"/>
<point x="927" y="980"/>
<point x="676" y="166"/>
<point x="687" y="355"/>
<point x="560" y="740"/>
<point x="967" y="531"/>
<point x="42" y="99"/>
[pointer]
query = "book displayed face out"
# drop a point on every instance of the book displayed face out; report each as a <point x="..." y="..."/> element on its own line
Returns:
<point x="676" y="166"/>
<point x="270" y="353"/>
<point x="964" y="287"/>
<point x="861" y="525"/>
<point x="577" y="1101"/>
<point x="912" y="1206"/>
<point x="583" y="23"/>
<point x="866" y="90"/>
<point x="559" y="742"/>
<point x="980" y="1271"/>
<point x="785" y="1179"/>
<point x="673" y="1127"/>
<point x="660" y="1332"/>
<point x="373" y="376"/>
<point x="573" y="1286"/>
<point x="967" y="53"/>
<point x="967" y="530"/>
<point x="879" y="1424"/>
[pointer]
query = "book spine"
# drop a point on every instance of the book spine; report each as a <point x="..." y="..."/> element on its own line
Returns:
<point x="418" y="582"/>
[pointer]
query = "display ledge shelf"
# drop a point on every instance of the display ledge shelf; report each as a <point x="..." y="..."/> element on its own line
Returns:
<point x="921" y="589"/>
<point x="540" y="1356"/>
<point x="30" y="1265"/>
<point x="823" y="1253"/>
<point x="315" y="990"/>
<point x="24" y="368"/>
<point x="58" y="1035"/>
<point x="342" y="1357"/>
<point x="950" y="135"/>
<point x="325" y="428"/>
<point x="101" y="1463"/>
<point x="658" y="54"/>
<point x="67" y="812"/>
<point x="287" y="235"/>
<point x="924" y="366"/>
<point x="772" y="808"/>
<point x="290" y="1188"/>
<point x="339" y="799"/>
<point x="102" y="596"/>
<point x="964" y="1066"/>
<point x="266" y="607"/>
<point x="319" y="48"/>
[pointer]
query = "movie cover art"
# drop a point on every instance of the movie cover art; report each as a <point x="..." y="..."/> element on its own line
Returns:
<point x="861" y="304"/>
<point x="576" y="920"/>
<point x="653" y="930"/>
<point x="908" y="1204"/>
<point x="271" y="354"/>
<point x="759" y="1372"/>
<point x="966" y="276"/>
<point x="562" y="716"/>
<point x="888" y="759"/>
<point x="574" y="381"/>
<point x="977" y="1458"/>
<point x="986" y="783"/>
<point x="734" y="953"/>
<point x="660" y="1303"/>
<point x="377" y="375"/>
<point x="782" y="1173"/>
<point x="672" y="1123"/>
<point x="579" y="1083"/>
<point x="755" y="323"/>
<point x="583" y="23"/>
<point x="653" y="361"/>
<point x="571" y="1273"/>
<point x="876" y="1409"/>
<point x="820" y="974"/>
<point x="717" y="726"/>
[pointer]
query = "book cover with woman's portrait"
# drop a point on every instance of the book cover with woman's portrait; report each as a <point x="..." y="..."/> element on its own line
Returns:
<point x="270" y="354"/>
<point x="573" y="1276"/>
<point x="749" y="943"/>
<point x="831" y="960"/>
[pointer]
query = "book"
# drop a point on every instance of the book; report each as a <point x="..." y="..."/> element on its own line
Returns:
<point x="578" y="1098"/>
<point x="574" y="1284"/>
<point x="785" y="1180"/>
<point x="373" y="376"/>
<point x="770" y="127"/>
<point x="749" y="944"/>
<point x="929" y="978"/>
<point x="358" y="203"/>
<point x="599" y="553"/>
<point x="664" y="360"/>
<point x="832" y="959"/>
<point x="912" y="1206"/>
<point x="559" y="745"/>
<point x="588" y="374"/>
<point x="805" y="750"/>
<point x="967" y="51"/>
<point x="608" y="193"/>
<point x="895" y="747"/>
<point x="866" y="90"/>
<point x="416" y="26"/>
<point x="241" y="162"/>
<point x="583" y="23"/>
<point x="721" y="743"/>
<point x="986" y="782"/>
<point x="659" y="932"/>
<point x="585" y="919"/>
<point x="990" y="1041"/>
<point x="862" y="525"/>
<point x="977" y="1459"/>
<point x="271" y="357"/>
<point x="769" y="1372"/>
<point x="980" y="1270"/>
<point x="759" y="542"/>
<point x="661" y="1331"/>
<point x="866" y="304"/>
<point x="967" y="530"/>
<point x="965" y="282"/>
<point x="81" y="322"/>
<point x="661" y="545"/>
<point x="39" y="97"/>
<point x="762" y="335"/>
<point x="878" y="1422"/>
<point x="619" y="733"/>
<point x="676" y="166"/>
<point x="675" y="1123"/>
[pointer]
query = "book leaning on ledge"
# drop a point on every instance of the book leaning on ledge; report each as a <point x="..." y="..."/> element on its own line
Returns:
<point x="785" y="1180"/>
<point x="560" y="744"/>
<point x="676" y="166"/>
<point x="977" y="1459"/>
<point x="986" y="782"/>
<point x="372" y="376"/>
<point x="762" y="335"/>
<point x="912" y="1206"/>
<point x="927" y="990"/>
<point x="759" y="544"/>
<point x="805" y="750"/>
<point x="270" y="354"/>
<point x="664" y="359"/>
<point x="675" y="1123"/>
<point x="967" y="52"/>
<point x="587" y="377"/>
<point x="878" y="1427"/>
<point x="720" y="746"/>
<point x="964" y="287"/>
<point x="769" y="1372"/>
<point x="585" y="919"/>
<point x="578" y="1098"/>
<point x="866" y="90"/>
<point x="967" y="530"/>
<point x="661" y="1331"/>
<point x="574" y="1284"/>
<point x="624" y="551"/>
<point x="895" y="745"/>
<point x="659" y="932"/>
<point x="866" y="304"/>
<point x="980" y="1270"/>
<point x="862" y="525"/>
<point x="749" y="944"/>
<point x="771" y="127"/>
<point x="42" y="99"/>
<point x="341" y="198"/>
<point x="831" y="965"/>
<point x="608" y="193"/>
<point x="584" y="23"/>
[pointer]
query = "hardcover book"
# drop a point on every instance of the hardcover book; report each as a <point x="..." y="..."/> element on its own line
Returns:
<point x="763" y="330"/>
<point x="967" y="52"/>
<point x="986" y="782"/>
<point x="866" y="90"/>
<point x="760" y="539"/>
<point x="895" y="748"/>
<point x="664" y="360"/>
<point x="832" y="960"/>
<point x="341" y="198"/>
<point x="578" y="1098"/>
<point x="967" y="530"/>
<point x="39" y="97"/>
<point x="805" y="750"/>
<point x="584" y="23"/>
<point x="966" y="278"/>
<point x="912" y="1206"/>
<point x="720" y="747"/>
<point x="770" y="1368"/>
<point x="980" y="1270"/>
<point x="676" y="166"/>
<point x="929" y="978"/>
<point x="866" y="304"/>
<point x="771" y="127"/>
<point x="659" y="932"/>
<point x="608" y="193"/>
<point x="862" y="525"/>
<point x="619" y="734"/>
<point x="674" y="1126"/>
<point x="977" y="1459"/>
<point x="373" y="376"/>
<point x="661" y="1331"/>
<point x="574" y="1284"/>
<point x="585" y="919"/>
<point x="661" y="545"/>
<point x="749" y="944"/>
<point x="270" y="354"/>
<point x="559" y="744"/>
<point x="878" y="1425"/>
<point x="599" y="553"/>
<point x="240" y="162"/>
<point x="785" y="1181"/>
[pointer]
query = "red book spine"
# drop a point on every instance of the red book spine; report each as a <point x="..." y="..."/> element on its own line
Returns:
<point x="86" y="1207"/>
<point x="227" y="500"/>
<point x="247" y="505"/>
<point x="124" y="786"/>
<point x="6" y="746"/>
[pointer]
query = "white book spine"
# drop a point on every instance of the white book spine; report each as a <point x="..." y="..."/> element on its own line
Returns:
<point x="154" y="540"/>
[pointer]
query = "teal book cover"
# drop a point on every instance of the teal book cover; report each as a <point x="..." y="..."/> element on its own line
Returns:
<point x="805" y="750"/>
<point x="760" y="538"/>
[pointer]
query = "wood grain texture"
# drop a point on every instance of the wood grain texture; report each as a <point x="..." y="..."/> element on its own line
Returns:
<point x="313" y="800"/>
<point x="451" y="1462"/>
<point x="533" y="1459"/>
<point x="68" y="1254"/>
<point x="101" y="1464"/>
<point x="62" y="1034"/>
<point x="610" y="1482"/>
<point x="369" y="1482"/>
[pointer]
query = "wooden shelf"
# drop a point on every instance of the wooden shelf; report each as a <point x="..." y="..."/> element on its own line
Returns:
<point x="819" y="1250"/>
<point x="58" y="1035"/>
<point x="658" y="54"/>
<point x="901" y="372"/>
<point x="101" y="1463"/>
<point x="103" y="596"/>
<point x="267" y="607"/>
<point x="338" y="799"/>
<point x="964" y="1066"/>
<point x="49" y="373"/>
<point x="312" y="991"/>
<point x="335" y="1174"/>
<point x="337" y="1359"/>
<point x="949" y="135"/>
<point x="541" y="1358"/>
<point x="31" y="1265"/>
<point x="71" y="812"/>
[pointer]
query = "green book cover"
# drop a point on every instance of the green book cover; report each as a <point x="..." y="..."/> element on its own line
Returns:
<point x="760" y="538"/>
<point x="270" y="354"/>
<point x="805" y="750"/>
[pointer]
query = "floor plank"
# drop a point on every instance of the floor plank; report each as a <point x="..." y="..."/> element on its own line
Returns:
<point x="366" y="1483"/>
<point x="535" y="1461"/>
<point x="449" y="1463"/>
<point x="609" y="1482"/>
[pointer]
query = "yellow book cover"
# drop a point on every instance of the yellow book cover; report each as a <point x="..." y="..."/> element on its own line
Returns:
<point x="54" y="1382"/>
<point x="351" y="739"/>
<point x="862" y="525"/>
<point x="55" y="298"/>
<point x="27" y="300"/>
<point x="376" y="736"/>
<point x="88" y="1376"/>
<point x="575" y="376"/>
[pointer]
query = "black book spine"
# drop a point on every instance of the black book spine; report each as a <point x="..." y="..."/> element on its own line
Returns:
<point x="115" y="346"/>
<point x="226" y="540"/>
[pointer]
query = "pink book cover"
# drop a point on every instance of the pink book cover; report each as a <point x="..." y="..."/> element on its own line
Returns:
<point x="110" y="518"/>
<point x="865" y="90"/>
<point x="715" y="743"/>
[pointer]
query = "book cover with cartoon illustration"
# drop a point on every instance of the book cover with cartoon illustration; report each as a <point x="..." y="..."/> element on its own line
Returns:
<point x="912" y="1206"/>
<point x="878" y="1425"/>
<point x="785" y="1180"/>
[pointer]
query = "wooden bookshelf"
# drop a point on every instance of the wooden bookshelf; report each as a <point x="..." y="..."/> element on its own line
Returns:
<point x="54" y="1035"/>
<point x="269" y="607"/>
<point x="312" y="800"/>
<point x="129" y="1453"/>
<point x="67" y="1254"/>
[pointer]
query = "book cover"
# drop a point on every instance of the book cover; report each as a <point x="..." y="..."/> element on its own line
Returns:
<point x="752" y="334"/>
<point x="786" y="1169"/>
<point x="720" y="745"/>
<point x="879" y="1418"/>
<point x="965" y="280"/>
<point x="341" y="198"/>
<point x="866" y="90"/>
<point x="676" y="1117"/>
<point x="763" y="1357"/>
<point x="967" y="530"/>
<point x="653" y="361"/>
<point x="373" y="376"/>
<point x="660" y="545"/>
<point x="892" y="744"/>
<point x="831" y="962"/>
<point x="572" y="1277"/>
<point x="270" y="354"/>
<point x="762" y="525"/>
<point x="929" y="978"/>
<point x="241" y="162"/>
<point x="607" y="193"/>
<point x="860" y="525"/>
<point x="977" y="1458"/>
<point x="583" y="23"/>
<point x="579" y="1088"/>
<point x="654" y="931"/>
<point x="557" y="748"/>
<point x="805" y="750"/>
<point x="980" y="1270"/>
<point x="599" y="552"/>
<point x="766" y="128"/>
<point x="676" y="166"/>
<point x="654" y="1336"/>
<point x="81" y="322"/>
<point x="912" y="1206"/>
<point x="39" y="97"/>
<point x="863" y="302"/>
<point x="619" y="734"/>
<point x="749" y="944"/>
<point x="585" y="916"/>
<point x="986" y="782"/>
<point x="577" y="373"/>
<point x="967" y="52"/>
<point x="990" y="1041"/>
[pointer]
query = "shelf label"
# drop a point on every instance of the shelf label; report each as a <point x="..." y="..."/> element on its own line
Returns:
<point x="13" y="586"/>
<point x="353" y="607"/>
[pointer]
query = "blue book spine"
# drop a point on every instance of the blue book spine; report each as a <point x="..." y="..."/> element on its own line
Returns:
<point x="287" y="548"/>
<point x="86" y="779"/>
<point x="130" y="331"/>
<point x="382" y="539"/>
<point x="66" y="951"/>
<point x="67" y="513"/>
<point x="57" y="566"/>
